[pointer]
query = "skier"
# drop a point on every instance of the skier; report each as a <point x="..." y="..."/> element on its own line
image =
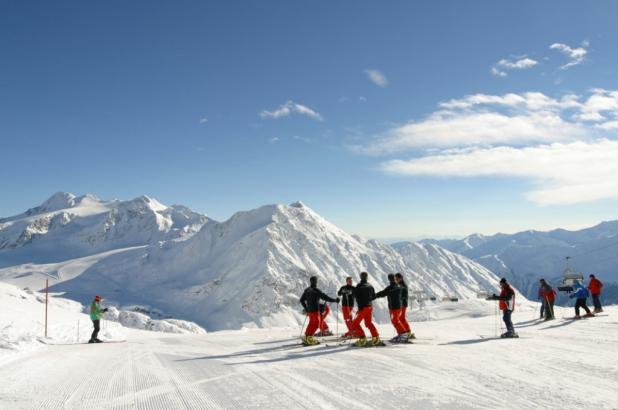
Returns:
<point x="404" y="305"/>
<point x="393" y="295"/>
<point x="310" y="301"/>
<point x="364" y="295"/>
<point x="595" y="286"/>
<point x="95" y="316"/>
<point x="324" y="311"/>
<point x="507" y="306"/>
<point x="347" y="304"/>
<point x="581" y="293"/>
<point x="549" y="296"/>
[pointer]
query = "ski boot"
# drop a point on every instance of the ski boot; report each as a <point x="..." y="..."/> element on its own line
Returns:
<point x="91" y="341"/>
<point x="410" y="335"/>
<point x="361" y="342"/>
<point x="309" y="341"/>
<point x="509" y="335"/>
<point x="589" y="314"/>
<point x="375" y="341"/>
<point x="97" y="340"/>
<point x="398" y="339"/>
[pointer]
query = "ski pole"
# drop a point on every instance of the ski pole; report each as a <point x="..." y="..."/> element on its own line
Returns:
<point x="337" y="326"/>
<point x="303" y="326"/>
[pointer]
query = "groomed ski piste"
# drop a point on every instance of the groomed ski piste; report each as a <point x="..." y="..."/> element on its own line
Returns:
<point x="457" y="363"/>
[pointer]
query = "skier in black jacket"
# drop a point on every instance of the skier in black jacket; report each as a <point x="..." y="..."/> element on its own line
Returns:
<point x="347" y="304"/>
<point x="393" y="294"/>
<point x="404" y="306"/>
<point x="310" y="300"/>
<point x="365" y="294"/>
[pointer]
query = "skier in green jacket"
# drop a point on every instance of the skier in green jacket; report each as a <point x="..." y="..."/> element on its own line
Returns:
<point x="95" y="316"/>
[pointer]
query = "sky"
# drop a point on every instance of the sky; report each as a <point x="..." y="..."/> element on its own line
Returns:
<point x="392" y="120"/>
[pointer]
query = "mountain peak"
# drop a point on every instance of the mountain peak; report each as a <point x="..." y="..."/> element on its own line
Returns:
<point x="297" y="204"/>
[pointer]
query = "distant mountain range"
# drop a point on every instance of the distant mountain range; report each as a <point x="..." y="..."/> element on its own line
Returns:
<point x="525" y="257"/>
<point x="247" y="271"/>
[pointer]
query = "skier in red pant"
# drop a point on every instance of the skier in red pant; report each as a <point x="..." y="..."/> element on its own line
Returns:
<point x="393" y="295"/>
<point x="404" y="306"/>
<point x="324" y="329"/>
<point x="310" y="300"/>
<point x="347" y="305"/>
<point x="364" y="295"/>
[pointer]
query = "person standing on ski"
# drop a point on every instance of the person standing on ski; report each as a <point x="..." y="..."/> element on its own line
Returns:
<point x="347" y="304"/>
<point x="95" y="316"/>
<point x="310" y="300"/>
<point x="404" y="305"/>
<point x="393" y="296"/>
<point x="364" y="295"/>
<point x="595" y="286"/>
<point x="324" y="311"/>
<point x="507" y="306"/>
<point x="549" y="296"/>
<point x="581" y="294"/>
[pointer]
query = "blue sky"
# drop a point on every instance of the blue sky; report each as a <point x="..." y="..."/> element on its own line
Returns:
<point x="391" y="120"/>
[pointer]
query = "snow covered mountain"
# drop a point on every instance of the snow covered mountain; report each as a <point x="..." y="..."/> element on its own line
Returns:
<point x="248" y="270"/>
<point x="67" y="227"/>
<point x="526" y="256"/>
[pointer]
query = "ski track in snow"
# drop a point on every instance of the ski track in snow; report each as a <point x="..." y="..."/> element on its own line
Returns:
<point x="555" y="365"/>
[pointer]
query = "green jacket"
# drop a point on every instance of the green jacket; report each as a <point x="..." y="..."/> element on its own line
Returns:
<point x="95" y="311"/>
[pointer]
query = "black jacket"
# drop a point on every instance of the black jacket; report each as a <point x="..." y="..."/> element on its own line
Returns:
<point x="364" y="294"/>
<point x="311" y="298"/>
<point x="347" y="295"/>
<point x="393" y="294"/>
<point x="404" y="294"/>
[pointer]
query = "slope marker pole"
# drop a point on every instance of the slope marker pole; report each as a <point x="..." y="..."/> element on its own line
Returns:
<point x="46" y="303"/>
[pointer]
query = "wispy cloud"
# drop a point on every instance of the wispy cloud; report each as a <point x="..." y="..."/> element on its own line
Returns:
<point x="203" y="120"/>
<point x="567" y="146"/>
<point x="290" y="107"/>
<point x="376" y="77"/>
<point x="520" y="63"/>
<point x="562" y="173"/>
<point x="576" y="55"/>
<point x="498" y="73"/>
<point x="274" y="140"/>
<point x="483" y="119"/>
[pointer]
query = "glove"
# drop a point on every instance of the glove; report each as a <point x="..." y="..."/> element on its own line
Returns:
<point x="105" y="310"/>
<point x="338" y="300"/>
<point x="304" y="312"/>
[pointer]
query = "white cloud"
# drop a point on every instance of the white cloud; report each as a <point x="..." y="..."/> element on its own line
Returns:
<point x="568" y="173"/>
<point x="483" y="119"/>
<point x="498" y="73"/>
<point x="290" y="107"/>
<point x="203" y="120"/>
<point x="601" y="104"/>
<point x="519" y="64"/>
<point x="575" y="55"/>
<point x="274" y="140"/>
<point x="376" y="77"/>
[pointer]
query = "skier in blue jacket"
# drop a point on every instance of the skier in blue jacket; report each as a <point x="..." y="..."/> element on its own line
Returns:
<point x="581" y="293"/>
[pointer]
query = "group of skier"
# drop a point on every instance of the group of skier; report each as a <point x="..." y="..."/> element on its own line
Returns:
<point x="363" y="295"/>
<point x="315" y="306"/>
<point x="547" y="297"/>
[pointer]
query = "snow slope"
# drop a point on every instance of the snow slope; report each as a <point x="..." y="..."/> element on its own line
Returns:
<point x="251" y="269"/>
<point x="555" y="365"/>
<point x="22" y="322"/>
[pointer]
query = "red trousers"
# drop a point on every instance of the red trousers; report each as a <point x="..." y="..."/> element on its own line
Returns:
<point x="347" y="316"/>
<point x="364" y="314"/>
<point x="396" y="320"/>
<point x="314" y="323"/>
<point x="323" y="324"/>
<point x="404" y="321"/>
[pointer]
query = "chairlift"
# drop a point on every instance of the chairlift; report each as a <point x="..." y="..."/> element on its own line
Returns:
<point x="569" y="278"/>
